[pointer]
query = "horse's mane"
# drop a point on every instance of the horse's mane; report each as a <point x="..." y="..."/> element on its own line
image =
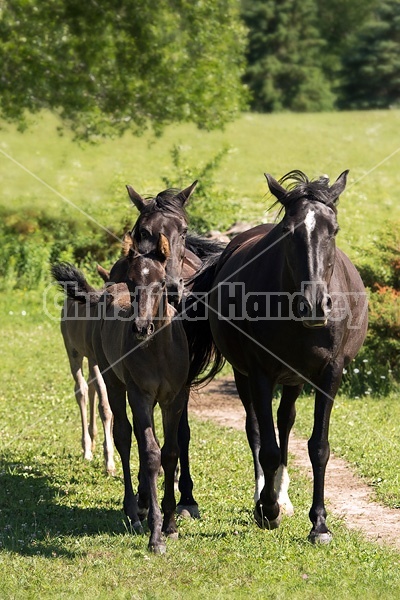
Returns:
<point x="166" y="201"/>
<point x="298" y="186"/>
<point x="203" y="247"/>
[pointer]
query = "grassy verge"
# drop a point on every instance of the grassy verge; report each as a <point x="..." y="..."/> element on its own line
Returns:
<point x="62" y="532"/>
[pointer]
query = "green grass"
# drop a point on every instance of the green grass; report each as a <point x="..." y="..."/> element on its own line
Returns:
<point x="62" y="532"/>
<point x="94" y="177"/>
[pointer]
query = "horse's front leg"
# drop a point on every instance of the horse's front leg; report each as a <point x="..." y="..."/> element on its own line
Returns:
<point x="150" y="463"/>
<point x="318" y="449"/>
<point x="267" y="510"/>
<point x="187" y="506"/>
<point x="123" y="440"/>
<point x="286" y="418"/>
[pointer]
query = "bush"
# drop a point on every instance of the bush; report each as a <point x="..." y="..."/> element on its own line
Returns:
<point x="377" y="368"/>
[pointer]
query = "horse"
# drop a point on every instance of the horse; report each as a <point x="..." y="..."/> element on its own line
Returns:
<point x="76" y="329"/>
<point x="189" y="252"/>
<point x="142" y="349"/>
<point x="285" y="307"/>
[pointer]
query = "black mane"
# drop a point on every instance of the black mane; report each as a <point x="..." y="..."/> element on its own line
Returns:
<point x="299" y="186"/>
<point x="166" y="201"/>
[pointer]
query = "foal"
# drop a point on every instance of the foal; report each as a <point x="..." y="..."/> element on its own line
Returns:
<point x="76" y="327"/>
<point x="142" y="350"/>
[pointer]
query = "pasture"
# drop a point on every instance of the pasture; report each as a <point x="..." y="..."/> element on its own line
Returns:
<point x="62" y="531"/>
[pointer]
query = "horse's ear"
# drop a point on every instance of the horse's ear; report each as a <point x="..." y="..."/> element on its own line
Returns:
<point x="185" y="194"/>
<point x="338" y="187"/>
<point x="104" y="274"/>
<point x="163" y="247"/>
<point x="275" y="188"/>
<point x="129" y="246"/>
<point x="136" y="198"/>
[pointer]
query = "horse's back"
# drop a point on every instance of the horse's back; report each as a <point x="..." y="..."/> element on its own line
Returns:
<point x="77" y="322"/>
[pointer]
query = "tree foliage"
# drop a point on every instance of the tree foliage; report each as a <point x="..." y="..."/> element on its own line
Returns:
<point x="108" y="66"/>
<point x="371" y="71"/>
<point x="284" y="56"/>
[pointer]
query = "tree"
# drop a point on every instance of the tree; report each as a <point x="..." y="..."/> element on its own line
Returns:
<point x="371" y="70"/>
<point x="337" y="22"/>
<point x="108" y="66"/>
<point x="284" y="56"/>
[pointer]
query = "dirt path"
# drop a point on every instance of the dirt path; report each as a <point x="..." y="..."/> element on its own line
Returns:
<point x="346" y="493"/>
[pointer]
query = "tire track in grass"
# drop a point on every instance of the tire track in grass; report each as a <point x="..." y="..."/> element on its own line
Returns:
<point x="348" y="496"/>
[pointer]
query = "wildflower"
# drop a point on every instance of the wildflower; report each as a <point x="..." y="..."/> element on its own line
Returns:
<point x="356" y="371"/>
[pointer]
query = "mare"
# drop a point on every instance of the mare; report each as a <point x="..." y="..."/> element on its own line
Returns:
<point x="189" y="251"/>
<point x="76" y="328"/>
<point x="285" y="306"/>
<point x="142" y="350"/>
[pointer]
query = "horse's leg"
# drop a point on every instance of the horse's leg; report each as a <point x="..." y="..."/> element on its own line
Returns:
<point x="318" y="449"/>
<point x="105" y="415"/>
<point x="150" y="462"/>
<point x="267" y="511"/>
<point x="123" y="438"/>
<point x="252" y="430"/>
<point x="286" y="417"/>
<point x="169" y="460"/>
<point x="187" y="505"/>
<point x="81" y="395"/>
<point x="92" y="410"/>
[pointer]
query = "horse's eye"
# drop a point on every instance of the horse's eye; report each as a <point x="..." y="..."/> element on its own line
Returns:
<point x="144" y="234"/>
<point x="183" y="234"/>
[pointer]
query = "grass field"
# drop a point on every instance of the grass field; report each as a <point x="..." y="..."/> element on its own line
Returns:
<point x="62" y="533"/>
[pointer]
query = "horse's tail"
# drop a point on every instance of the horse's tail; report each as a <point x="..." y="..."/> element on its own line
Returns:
<point x="202" y="350"/>
<point x="73" y="283"/>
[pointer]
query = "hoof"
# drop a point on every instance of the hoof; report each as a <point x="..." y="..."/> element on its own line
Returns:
<point x="320" y="538"/>
<point x="142" y="513"/>
<point x="262" y="520"/>
<point x="174" y="535"/>
<point x="136" y="527"/>
<point x="189" y="511"/>
<point x="111" y="472"/>
<point x="157" y="549"/>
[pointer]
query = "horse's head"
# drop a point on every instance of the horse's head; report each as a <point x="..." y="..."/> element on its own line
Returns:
<point x="145" y="277"/>
<point x="308" y="228"/>
<point x="164" y="214"/>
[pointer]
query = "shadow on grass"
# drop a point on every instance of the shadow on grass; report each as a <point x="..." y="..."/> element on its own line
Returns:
<point x="36" y="517"/>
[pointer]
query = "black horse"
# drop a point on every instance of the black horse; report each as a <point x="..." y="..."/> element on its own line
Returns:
<point x="286" y="307"/>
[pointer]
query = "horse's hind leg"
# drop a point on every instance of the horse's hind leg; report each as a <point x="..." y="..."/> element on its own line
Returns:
<point x="92" y="411"/>
<point x="169" y="460"/>
<point x="106" y="417"/>
<point x="252" y="430"/>
<point x="267" y="511"/>
<point x="187" y="506"/>
<point x="81" y="395"/>
<point x="286" y="417"/>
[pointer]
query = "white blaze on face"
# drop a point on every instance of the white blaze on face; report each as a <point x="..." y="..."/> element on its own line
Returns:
<point x="145" y="271"/>
<point x="310" y="222"/>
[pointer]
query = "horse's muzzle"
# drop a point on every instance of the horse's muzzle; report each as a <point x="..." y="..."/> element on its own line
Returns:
<point x="314" y="316"/>
<point x="143" y="330"/>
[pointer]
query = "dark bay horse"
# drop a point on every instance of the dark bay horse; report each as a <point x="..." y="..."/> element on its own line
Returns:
<point x="141" y="350"/>
<point x="189" y="251"/>
<point x="287" y="307"/>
